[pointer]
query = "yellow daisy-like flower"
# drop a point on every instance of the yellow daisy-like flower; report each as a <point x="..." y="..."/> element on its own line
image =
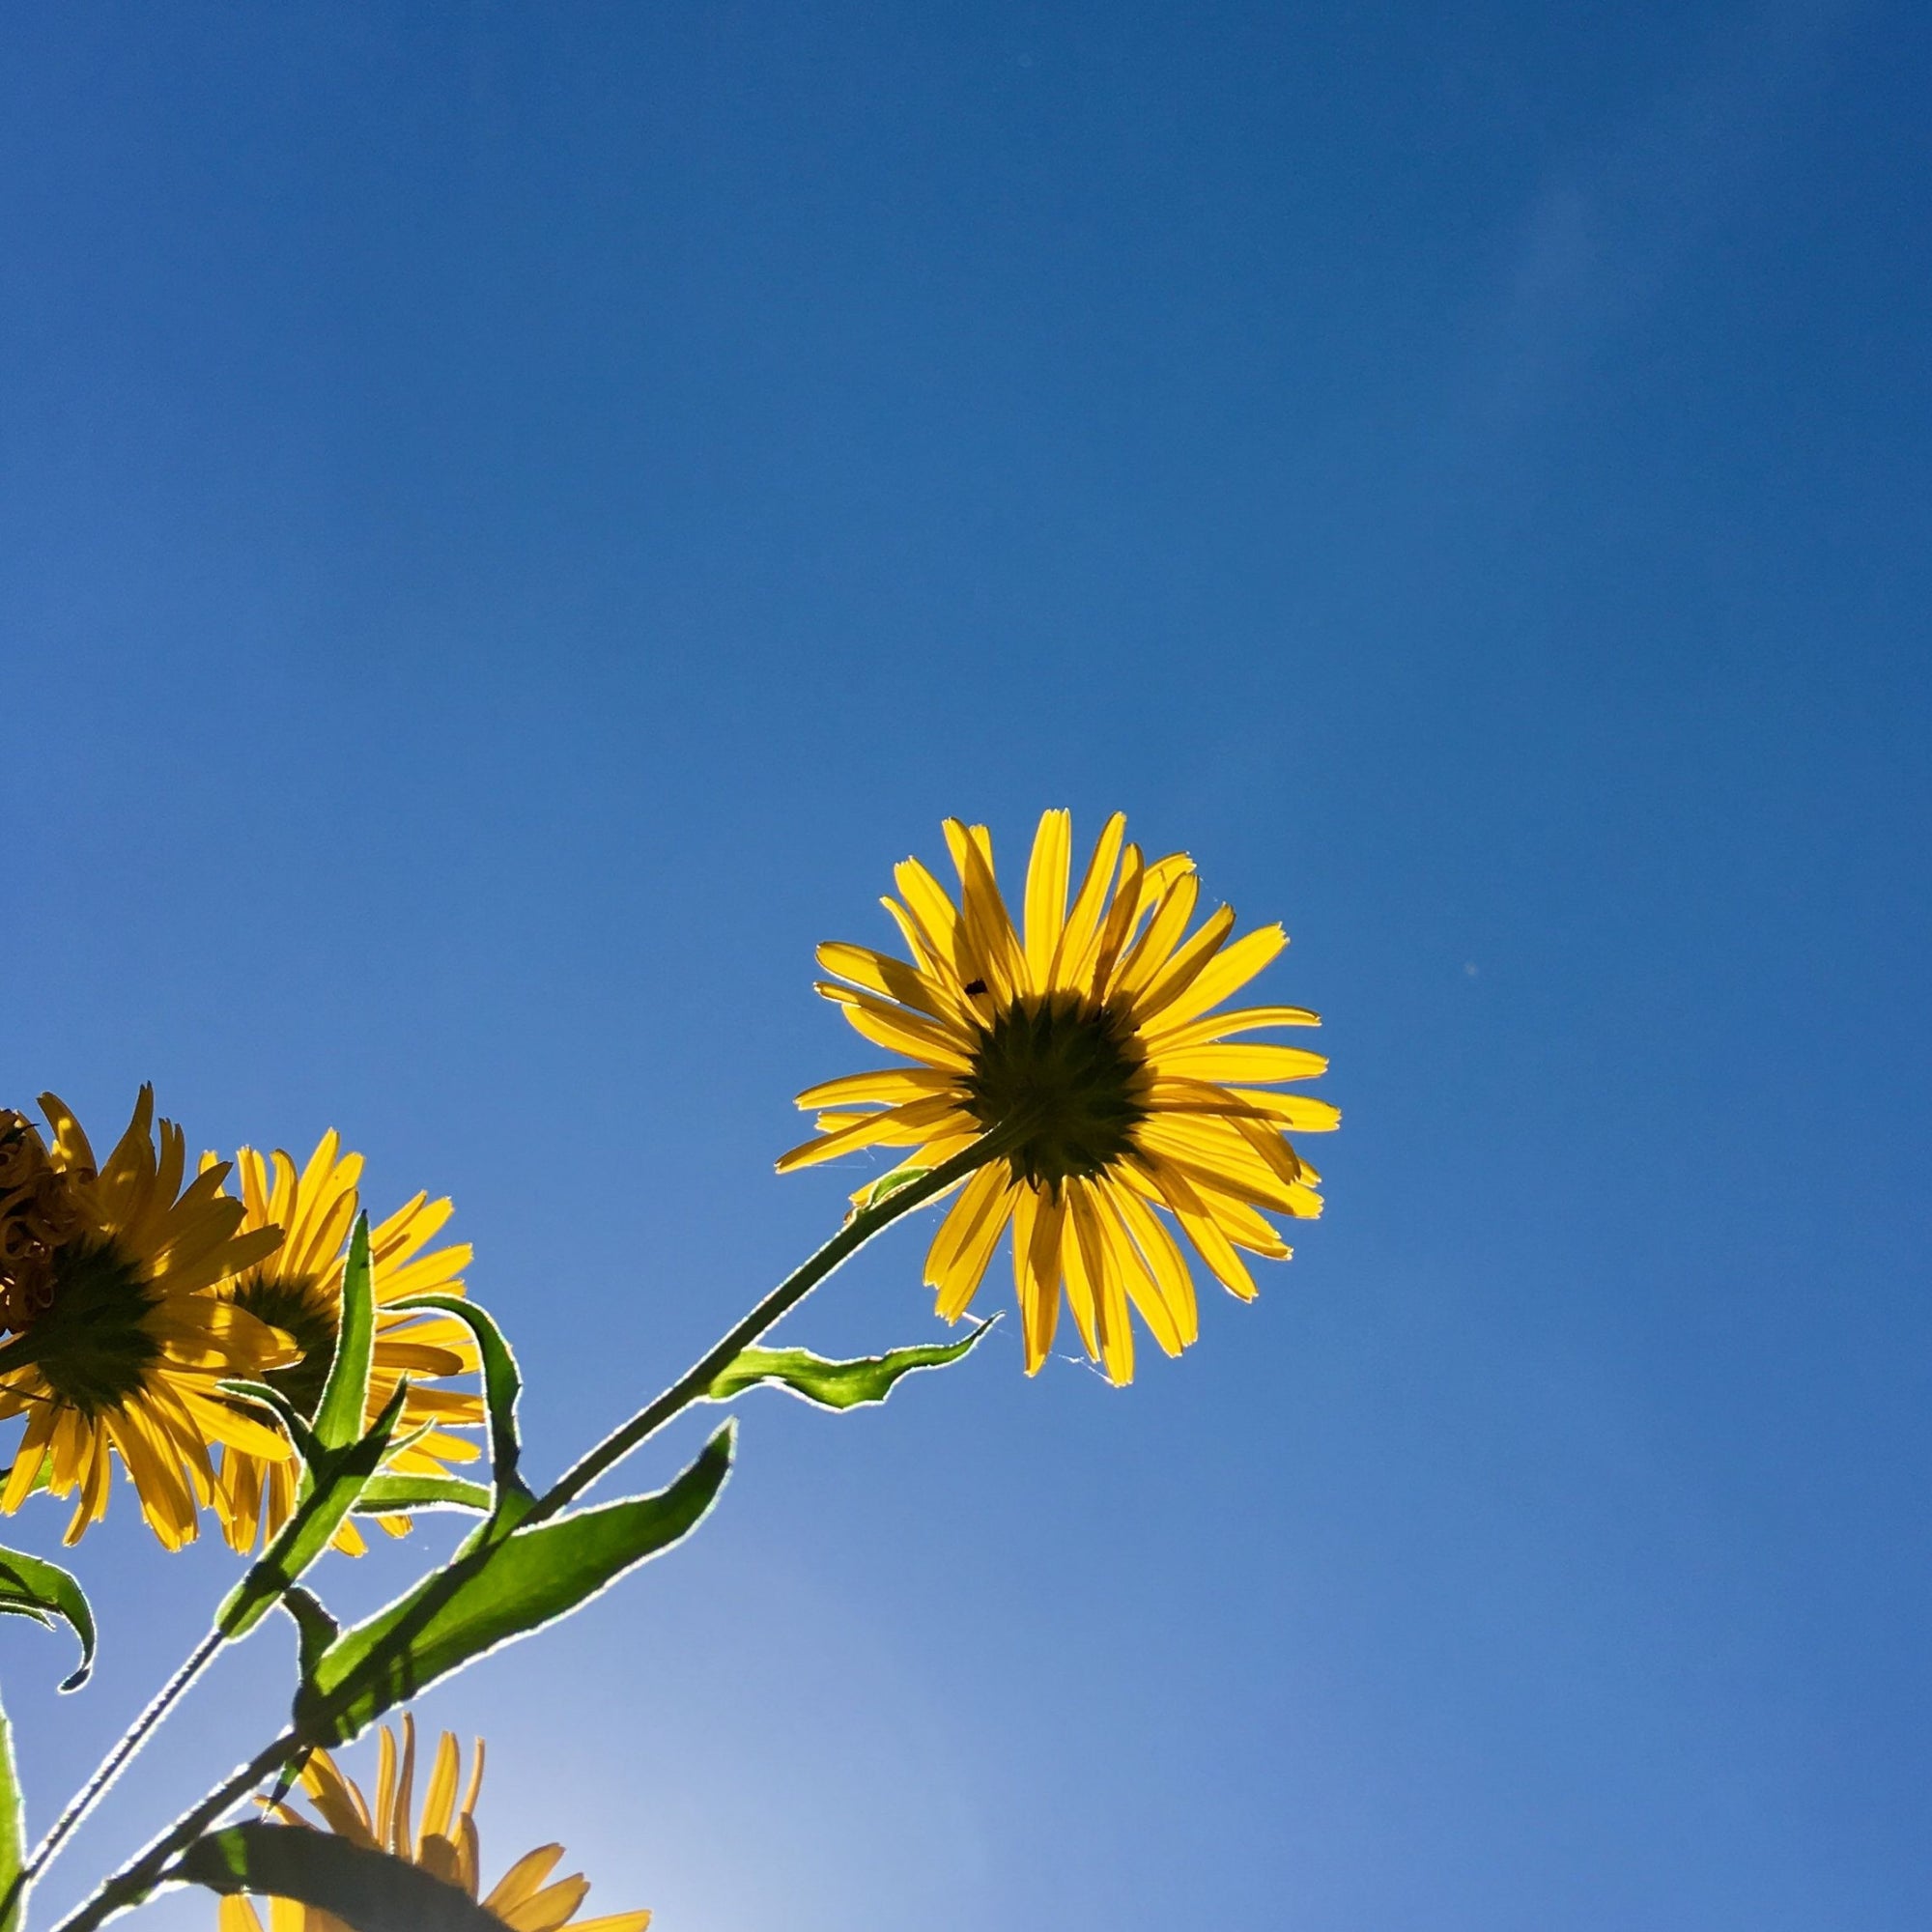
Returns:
<point x="444" y="1844"/>
<point x="118" y="1336"/>
<point x="299" y="1289"/>
<point x="1088" y="1043"/>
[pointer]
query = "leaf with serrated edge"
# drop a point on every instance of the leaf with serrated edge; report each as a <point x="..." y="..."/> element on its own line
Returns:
<point x="494" y="1593"/>
<point x="834" y="1384"/>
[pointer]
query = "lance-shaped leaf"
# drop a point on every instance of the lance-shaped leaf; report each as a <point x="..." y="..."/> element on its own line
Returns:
<point x="30" y="1587"/>
<point x="834" y="1384"/>
<point x="401" y="1496"/>
<point x="334" y="1483"/>
<point x="367" y="1890"/>
<point x="345" y="1395"/>
<point x="502" y="1384"/>
<point x="13" y="1833"/>
<point x="495" y="1592"/>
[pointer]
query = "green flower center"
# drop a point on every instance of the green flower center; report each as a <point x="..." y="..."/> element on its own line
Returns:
<point x="91" y="1341"/>
<point x="299" y="1305"/>
<point x="1073" y="1072"/>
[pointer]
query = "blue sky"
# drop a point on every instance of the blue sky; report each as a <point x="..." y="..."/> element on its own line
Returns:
<point x="512" y="519"/>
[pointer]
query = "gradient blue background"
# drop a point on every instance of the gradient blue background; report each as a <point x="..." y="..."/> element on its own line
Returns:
<point x="511" y="520"/>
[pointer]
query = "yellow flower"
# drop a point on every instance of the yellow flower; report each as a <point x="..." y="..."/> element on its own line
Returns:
<point x="445" y="1845"/>
<point x="299" y="1288"/>
<point x="108" y="1279"/>
<point x="1088" y="1044"/>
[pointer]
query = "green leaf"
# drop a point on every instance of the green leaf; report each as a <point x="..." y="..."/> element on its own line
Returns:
<point x="345" y="1395"/>
<point x="367" y="1890"/>
<point x="885" y="1186"/>
<point x="834" y="1384"/>
<point x="494" y="1593"/>
<point x="398" y="1495"/>
<point x="335" y="1484"/>
<point x="314" y="1629"/>
<point x="30" y="1587"/>
<point x="12" y="1833"/>
<point x="502" y="1384"/>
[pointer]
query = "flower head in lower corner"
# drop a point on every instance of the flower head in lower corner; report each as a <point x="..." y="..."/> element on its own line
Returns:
<point x="299" y="1289"/>
<point x="443" y="1843"/>
<point x="1086" y="1040"/>
<point x="117" y="1340"/>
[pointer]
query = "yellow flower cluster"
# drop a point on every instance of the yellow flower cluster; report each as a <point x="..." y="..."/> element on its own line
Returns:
<point x="445" y="1843"/>
<point x="131" y="1291"/>
<point x="1118" y="1112"/>
<point x="1073" y="1079"/>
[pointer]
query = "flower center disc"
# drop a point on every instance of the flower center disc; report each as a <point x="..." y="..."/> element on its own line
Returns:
<point x="1073" y="1072"/>
<point x="91" y="1342"/>
<point x="295" y="1305"/>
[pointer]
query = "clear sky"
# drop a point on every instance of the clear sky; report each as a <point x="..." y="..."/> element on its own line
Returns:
<point x="513" y="517"/>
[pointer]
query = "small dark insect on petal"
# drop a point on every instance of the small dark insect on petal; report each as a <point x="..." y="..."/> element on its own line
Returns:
<point x="976" y="986"/>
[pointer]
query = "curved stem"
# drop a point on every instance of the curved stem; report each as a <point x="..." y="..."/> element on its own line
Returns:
<point x="134" y="1882"/>
<point x="113" y="1764"/>
<point x="781" y="1300"/>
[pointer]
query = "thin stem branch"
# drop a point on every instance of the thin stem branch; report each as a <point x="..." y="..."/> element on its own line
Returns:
<point x="134" y="1882"/>
<point x="781" y="1300"/>
<point x="113" y="1764"/>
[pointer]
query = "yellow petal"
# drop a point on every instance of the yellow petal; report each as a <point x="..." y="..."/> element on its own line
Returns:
<point x="897" y="1126"/>
<point x="1163" y="1260"/>
<point x="1083" y="922"/>
<point x="1191" y="1211"/>
<point x="523" y="1880"/>
<point x="1048" y="874"/>
<point x="1176" y="999"/>
<point x="989" y="927"/>
<point x="1238" y="1062"/>
<point x="1155" y="946"/>
<point x="898" y="1030"/>
<point x="956" y="1262"/>
<point x="1036" y="1223"/>
<point x="888" y="1086"/>
<point x="879" y="973"/>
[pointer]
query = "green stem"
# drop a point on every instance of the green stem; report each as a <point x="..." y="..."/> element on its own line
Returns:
<point x="136" y="1878"/>
<point x="132" y="1883"/>
<point x="112" y="1765"/>
<point x="692" y="1385"/>
<point x="12" y="1833"/>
